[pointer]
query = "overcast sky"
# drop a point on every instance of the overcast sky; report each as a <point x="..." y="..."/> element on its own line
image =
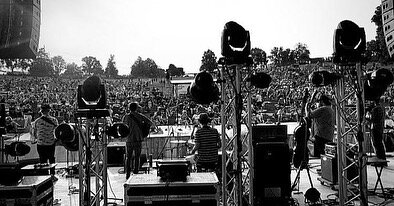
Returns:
<point x="179" y="31"/>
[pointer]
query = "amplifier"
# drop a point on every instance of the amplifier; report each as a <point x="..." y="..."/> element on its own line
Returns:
<point x="330" y="149"/>
<point x="116" y="152"/>
<point x="172" y="170"/>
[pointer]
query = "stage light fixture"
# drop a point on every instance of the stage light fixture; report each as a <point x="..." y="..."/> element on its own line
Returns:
<point x="17" y="149"/>
<point x="349" y="42"/>
<point x="203" y="89"/>
<point x="323" y="78"/>
<point x="376" y="83"/>
<point x="260" y="80"/>
<point x="118" y="130"/>
<point x="68" y="135"/>
<point x="91" y="94"/>
<point x="235" y="43"/>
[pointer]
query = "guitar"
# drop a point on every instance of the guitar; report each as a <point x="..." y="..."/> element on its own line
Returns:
<point x="301" y="135"/>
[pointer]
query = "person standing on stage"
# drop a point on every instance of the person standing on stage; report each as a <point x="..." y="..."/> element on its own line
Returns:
<point x="134" y="140"/>
<point x="377" y="127"/>
<point x="44" y="128"/>
<point x="323" y="124"/>
<point x="207" y="143"/>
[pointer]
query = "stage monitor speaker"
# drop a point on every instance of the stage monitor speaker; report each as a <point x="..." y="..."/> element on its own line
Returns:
<point x="388" y="24"/>
<point x="269" y="133"/>
<point x="272" y="184"/>
<point x="19" y="29"/>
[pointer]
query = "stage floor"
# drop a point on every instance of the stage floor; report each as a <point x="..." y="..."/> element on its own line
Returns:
<point x="65" y="187"/>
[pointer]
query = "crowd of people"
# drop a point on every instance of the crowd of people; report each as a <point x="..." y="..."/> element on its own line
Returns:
<point x="280" y="102"/>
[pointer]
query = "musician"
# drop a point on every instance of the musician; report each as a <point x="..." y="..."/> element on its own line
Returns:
<point x="323" y="124"/>
<point x="208" y="142"/>
<point x="135" y="138"/>
<point x="377" y="127"/>
<point x="44" y="128"/>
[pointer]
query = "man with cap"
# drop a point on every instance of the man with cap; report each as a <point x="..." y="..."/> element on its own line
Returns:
<point x="134" y="121"/>
<point x="208" y="142"/>
<point x="323" y="124"/>
<point x="44" y="128"/>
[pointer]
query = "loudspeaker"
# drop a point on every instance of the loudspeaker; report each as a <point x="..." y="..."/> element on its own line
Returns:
<point x="19" y="29"/>
<point x="388" y="24"/>
<point x="115" y="154"/>
<point x="329" y="169"/>
<point x="272" y="184"/>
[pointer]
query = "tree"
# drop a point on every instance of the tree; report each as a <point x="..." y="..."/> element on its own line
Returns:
<point x="111" y="70"/>
<point x="301" y="53"/>
<point x="42" y="65"/>
<point x="208" y="61"/>
<point x="372" y="52"/>
<point x="91" y="66"/>
<point x="73" y="70"/>
<point x="146" y="69"/>
<point x="59" y="64"/>
<point x="275" y="56"/>
<point x="175" y="71"/>
<point x="259" y="57"/>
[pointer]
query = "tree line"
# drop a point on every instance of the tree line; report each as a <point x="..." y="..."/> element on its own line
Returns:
<point x="56" y="66"/>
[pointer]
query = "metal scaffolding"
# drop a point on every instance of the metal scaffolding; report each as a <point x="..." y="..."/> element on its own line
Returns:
<point x="236" y="139"/>
<point x="349" y="90"/>
<point x="92" y="157"/>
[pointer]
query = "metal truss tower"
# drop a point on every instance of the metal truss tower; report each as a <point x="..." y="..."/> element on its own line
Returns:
<point x="236" y="139"/>
<point x="350" y="118"/>
<point x="92" y="158"/>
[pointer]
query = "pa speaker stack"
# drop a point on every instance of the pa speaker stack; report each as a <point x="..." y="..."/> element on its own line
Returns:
<point x="388" y="24"/>
<point x="272" y="184"/>
<point x="19" y="29"/>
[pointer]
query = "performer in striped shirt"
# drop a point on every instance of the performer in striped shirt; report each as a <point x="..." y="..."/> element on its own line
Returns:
<point x="207" y="144"/>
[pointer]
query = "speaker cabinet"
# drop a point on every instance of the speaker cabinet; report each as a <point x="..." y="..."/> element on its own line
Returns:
<point x="388" y="24"/>
<point x="19" y="28"/>
<point x="329" y="169"/>
<point x="115" y="154"/>
<point x="272" y="184"/>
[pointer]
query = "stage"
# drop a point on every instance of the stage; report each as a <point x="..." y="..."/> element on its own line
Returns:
<point x="66" y="188"/>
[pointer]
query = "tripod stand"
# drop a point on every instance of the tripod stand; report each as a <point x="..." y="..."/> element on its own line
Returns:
<point x="297" y="179"/>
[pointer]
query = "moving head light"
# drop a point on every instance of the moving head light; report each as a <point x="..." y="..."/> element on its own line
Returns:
<point x="91" y="94"/>
<point x="235" y="43"/>
<point x="349" y="42"/>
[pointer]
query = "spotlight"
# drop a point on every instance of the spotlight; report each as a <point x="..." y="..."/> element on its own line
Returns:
<point x="260" y="80"/>
<point x="323" y="78"/>
<point x="68" y="135"/>
<point x="203" y="89"/>
<point x="235" y="43"/>
<point x="17" y="149"/>
<point x="377" y="83"/>
<point x="118" y="130"/>
<point x="349" y="42"/>
<point x="91" y="94"/>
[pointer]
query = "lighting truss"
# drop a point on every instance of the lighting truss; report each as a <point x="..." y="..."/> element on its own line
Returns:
<point x="92" y="160"/>
<point x="351" y="139"/>
<point x="236" y="138"/>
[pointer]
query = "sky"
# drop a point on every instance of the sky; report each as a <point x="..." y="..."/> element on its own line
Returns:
<point x="179" y="31"/>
